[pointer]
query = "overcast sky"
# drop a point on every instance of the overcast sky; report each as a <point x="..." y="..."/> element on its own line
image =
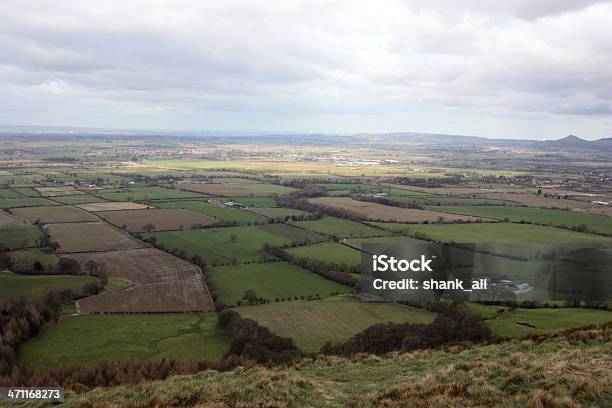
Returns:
<point x="521" y="68"/>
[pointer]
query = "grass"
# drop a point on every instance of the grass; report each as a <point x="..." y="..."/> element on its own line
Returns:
<point x="27" y="191"/>
<point x="25" y="202"/>
<point x="90" y="338"/>
<point x="34" y="287"/>
<point x="256" y="201"/>
<point x="147" y="193"/>
<point x="312" y="323"/>
<point x="6" y="193"/>
<point x="565" y="371"/>
<point x="46" y="258"/>
<point x="215" y="244"/>
<point x="78" y="199"/>
<point x="213" y="211"/>
<point x="599" y="223"/>
<point x="116" y="282"/>
<point x="341" y="227"/>
<point x="495" y="233"/>
<point x="270" y="280"/>
<point x="281" y="213"/>
<point x="292" y="233"/>
<point x="18" y="237"/>
<point x="329" y="252"/>
<point x="518" y="323"/>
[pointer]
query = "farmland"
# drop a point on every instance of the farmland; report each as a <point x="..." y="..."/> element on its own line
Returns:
<point x="112" y="206"/>
<point x="312" y="323"/>
<point x="597" y="223"/>
<point x="214" y="211"/>
<point x="238" y="190"/>
<point x="160" y="283"/>
<point x="144" y="194"/>
<point x="331" y="252"/>
<point x="89" y="236"/>
<point x="34" y="288"/>
<point x="496" y="233"/>
<point x="277" y="280"/>
<point x="24" y="202"/>
<point x="86" y="339"/>
<point x="292" y="233"/>
<point x="155" y="219"/>
<point x="375" y="211"/>
<point x="20" y="236"/>
<point x="341" y="227"/>
<point x="78" y="199"/>
<point x="216" y="244"/>
<point x="55" y="214"/>
<point x="278" y="213"/>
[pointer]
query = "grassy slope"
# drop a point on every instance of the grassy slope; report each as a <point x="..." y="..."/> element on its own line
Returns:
<point x="215" y="243"/>
<point x="22" y="236"/>
<point x="600" y="223"/>
<point x="34" y="288"/>
<point x="270" y="281"/>
<point x="84" y="339"/>
<point x="567" y="371"/>
<point x="24" y="202"/>
<point x="312" y="323"/>
<point x="340" y="227"/>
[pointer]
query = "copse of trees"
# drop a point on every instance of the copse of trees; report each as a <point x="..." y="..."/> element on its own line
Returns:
<point x="251" y="341"/>
<point x="454" y="324"/>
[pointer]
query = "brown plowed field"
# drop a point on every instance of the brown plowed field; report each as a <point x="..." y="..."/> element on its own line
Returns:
<point x="112" y="206"/>
<point x="59" y="213"/>
<point x="375" y="211"/>
<point x="90" y="237"/>
<point x="160" y="283"/>
<point x="223" y="190"/>
<point x="163" y="219"/>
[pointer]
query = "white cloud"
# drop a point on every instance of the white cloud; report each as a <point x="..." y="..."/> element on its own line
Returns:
<point x="344" y="66"/>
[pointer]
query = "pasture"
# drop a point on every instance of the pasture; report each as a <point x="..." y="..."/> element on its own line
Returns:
<point x="33" y="288"/>
<point x="375" y="211"/>
<point x="597" y="223"/>
<point x="20" y="236"/>
<point x="7" y="220"/>
<point x="82" y="340"/>
<point x="24" y="202"/>
<point x="293" y="234"/>
<point x="214" y="211"/>
<point x="312" y="323"/>
<point x="216" y="244"/>
<point x="7" y="193"/>
<point x="78" y="199"/>
<point x="278" y="213"/>
<point x="55" y="214"/>
<point x="331" y="252"/>
<point x="255" y="201"/>
<point x="341" y="227"/>
<point x="89" y="237"/>
<point x="160" y="282"/>
<point x="161" y="219"/>
<point x="271" y="281"/>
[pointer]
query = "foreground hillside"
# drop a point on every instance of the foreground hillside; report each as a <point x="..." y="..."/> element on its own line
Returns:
<point x="569" y="369"/>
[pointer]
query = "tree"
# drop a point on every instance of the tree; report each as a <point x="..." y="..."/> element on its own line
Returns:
<point x="250" y="296"/>
<point x="233" y="237"/>
<point x="148" y="227"/>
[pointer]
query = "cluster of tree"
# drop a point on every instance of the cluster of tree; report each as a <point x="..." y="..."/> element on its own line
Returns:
<point x="250" y="297"/>
<point x="249" y="340"/>
<point x="294" y="201"/>
<point x="337" y="272"/>
<point x="427" y="182"/>
<point x="454" y="324"/>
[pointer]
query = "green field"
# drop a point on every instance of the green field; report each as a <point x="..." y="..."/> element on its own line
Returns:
<point x="312" y="323"/>
<point x="27" y="191"/>
<point x="278" y="213"/>
<point x="25" y="202"/>
<point x="599" y="223"/>
<point x="341" y="227"/>
<point x="215" y="245"/>
<point x="78" y="199"/>
<point x="6" y="193"/>
<point x="86" y="339"/>
<point x="146" y="193"/>
<point x="34" y="287"/>
<point x="329" y="252"/>
<point x="293" y="234"/>
<point x="46" y="258"/>
<point x="504" y="233"/>
<point x="270" y="281"/>
<point x="255" y="201"/>
<point x="546" y="320"/>
<point x="22" y="236"/>
<point x="214" y="211"/>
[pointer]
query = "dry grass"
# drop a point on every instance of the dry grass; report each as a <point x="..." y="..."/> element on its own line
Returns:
<point x="375" y="211"/>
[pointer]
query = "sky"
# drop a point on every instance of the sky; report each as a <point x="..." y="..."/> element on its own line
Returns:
<point x="517" y="69"/>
